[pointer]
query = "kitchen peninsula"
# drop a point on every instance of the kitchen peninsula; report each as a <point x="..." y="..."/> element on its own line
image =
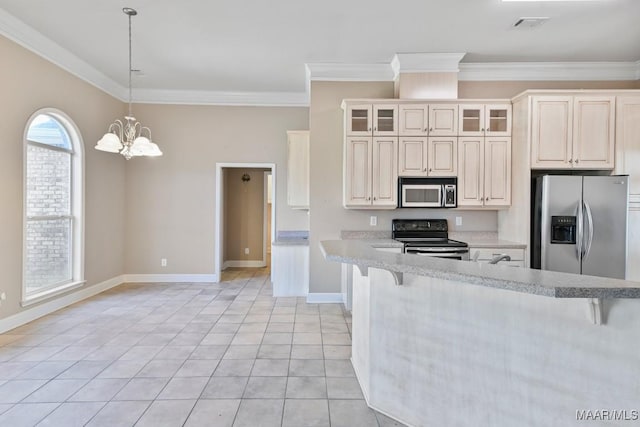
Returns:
<point x="441" y="342"/>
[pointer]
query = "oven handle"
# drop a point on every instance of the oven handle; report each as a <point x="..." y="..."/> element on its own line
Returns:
<point x="433" y="255"/>
<point x="438" y="250"/>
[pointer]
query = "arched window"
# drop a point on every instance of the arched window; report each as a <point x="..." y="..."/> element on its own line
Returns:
<point x="53" y="206"/>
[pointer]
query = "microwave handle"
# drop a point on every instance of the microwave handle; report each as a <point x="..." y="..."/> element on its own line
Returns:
<point x="442" y="195"/>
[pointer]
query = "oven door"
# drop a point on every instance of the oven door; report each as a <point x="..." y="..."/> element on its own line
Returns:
<point x="461" y="254"/>
<point x="422" y="196"/>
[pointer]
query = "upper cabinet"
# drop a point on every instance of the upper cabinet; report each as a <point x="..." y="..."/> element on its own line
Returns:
<point x="428" y="120"/>
<point x="359" y="120"/>
<point x="298" y="169"/>
<point x="484" y="171"/>
<point x="432" y="156"/>
<point x="484" y="120"/>
<point x="368" y="119"/>
<point x="628" y="144"/>
<point x="572" y="132"/>
<point x="371" y="172"/>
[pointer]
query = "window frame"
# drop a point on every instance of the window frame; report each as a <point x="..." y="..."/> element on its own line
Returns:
<point x="76" y="215"/>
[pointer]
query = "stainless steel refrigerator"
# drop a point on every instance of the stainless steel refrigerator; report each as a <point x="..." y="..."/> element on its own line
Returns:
<point x="580" y="224"/>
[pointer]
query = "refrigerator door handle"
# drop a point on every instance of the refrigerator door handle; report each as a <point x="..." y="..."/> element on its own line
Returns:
<point x="579" y="230"/>
<point x="590" y="228"/>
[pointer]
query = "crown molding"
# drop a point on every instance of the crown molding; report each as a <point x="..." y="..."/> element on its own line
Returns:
<point x="200" y="97"/>
<point x="323" y="71"/>
<point x="425" y="62"/>
<point x="549" y="71"/>
<point x="27" y="37"/>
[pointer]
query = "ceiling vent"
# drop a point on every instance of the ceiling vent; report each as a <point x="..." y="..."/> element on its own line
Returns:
<point x="530" y="22"/>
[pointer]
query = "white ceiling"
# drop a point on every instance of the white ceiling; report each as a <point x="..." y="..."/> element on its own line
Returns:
<point x="262" y="46"/>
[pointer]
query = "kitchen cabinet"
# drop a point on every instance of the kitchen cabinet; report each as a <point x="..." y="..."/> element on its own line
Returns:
<point x="573" y="132"/>
<point x="484" y="172"/>
<point x="290" y="270"/>
<point x="428" y="120"/>
<point x="484" y="120"/>
<point x="298" y="169"/>
<point x="372" y="119"/>
<point x="432" y="156"/>
<point x="371" y="173"/>
<point x="484" y="255"/>
<point x="628" y="144"/>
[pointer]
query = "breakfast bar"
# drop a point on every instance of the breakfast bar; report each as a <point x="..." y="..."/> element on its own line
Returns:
<point x="443" y="342"/>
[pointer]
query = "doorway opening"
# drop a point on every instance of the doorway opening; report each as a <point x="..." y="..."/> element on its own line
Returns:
<point x="245" y="215"/>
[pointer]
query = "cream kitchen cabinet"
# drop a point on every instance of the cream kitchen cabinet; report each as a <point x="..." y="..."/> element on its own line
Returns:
<point x="484" y="172"/>
<point x="573" y="132"/>
<point x="628" y="144"/>
<point x="484" y="120"/>
<point x="431" y="120"/>
<point x="372" y="119"/>
<point x="432" y="156"/>
<point x="298" y="169"/>
<point x="371" y="172"/>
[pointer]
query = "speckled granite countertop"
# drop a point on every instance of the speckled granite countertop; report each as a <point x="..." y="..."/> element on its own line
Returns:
<point x="525" y="280"/>
<point x="292" y="238"/>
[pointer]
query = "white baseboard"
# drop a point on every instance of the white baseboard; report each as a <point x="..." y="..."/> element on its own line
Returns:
<point x="170" y="278"/>
<point x="243" y="264"/>
<point x="324" y="298"/>
<point x="43" y="309"/>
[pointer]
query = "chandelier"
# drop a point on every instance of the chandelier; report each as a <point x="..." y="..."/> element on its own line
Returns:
<point x="128" y="137"/>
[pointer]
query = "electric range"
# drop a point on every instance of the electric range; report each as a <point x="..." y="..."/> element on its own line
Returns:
<point x="428" y="237"/>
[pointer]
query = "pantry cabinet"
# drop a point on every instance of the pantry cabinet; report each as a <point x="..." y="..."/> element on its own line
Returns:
<point x="432" y="156"/>
<point x="628" y="144"/>
<point x="371" y="172"/>
<point x="573" y="132"/>
<point x="484" y="172"/>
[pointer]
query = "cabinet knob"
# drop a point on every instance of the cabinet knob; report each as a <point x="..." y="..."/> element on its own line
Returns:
<point x="368" y="198"/>
<point x="369" y="129"/>
<point x="430" y="169"/>
<point x="425" y="169"/>
<point x="570" y="160"/>
<point x="577" y="161"/>
<point x="375" y="198"/>
<point x="430" y="129"/>
<point x="482" y="129"/>
<point x="425" y="129"/>
<point x="375" y="129"/>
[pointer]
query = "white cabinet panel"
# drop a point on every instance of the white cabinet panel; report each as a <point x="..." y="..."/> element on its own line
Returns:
<point x="298" y="169"/>
<point x="413" y="154"/>
<point x="385" y="172"/>
<point x="357" y="180"/>
<point x="470" y="171"/>
<point x="497" y="177"/>
<point x="414" y="119"/>
<point x="593" y="132"/>
<point x="443" y="120"/>
<point x="290" y="271"/>
<point x="442" y="156"/>
<point x="359" y="120"/>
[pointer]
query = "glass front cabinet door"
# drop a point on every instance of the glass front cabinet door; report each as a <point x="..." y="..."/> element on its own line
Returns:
<point x="385" y="120"/>
<point x="359" y="120"/>
<point x="497" y="120"/>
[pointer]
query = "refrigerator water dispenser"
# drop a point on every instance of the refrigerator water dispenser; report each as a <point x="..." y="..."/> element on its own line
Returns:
<point x="563" y="230"/>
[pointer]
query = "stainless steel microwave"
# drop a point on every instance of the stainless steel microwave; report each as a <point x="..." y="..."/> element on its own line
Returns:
<point x="427" y="192"/>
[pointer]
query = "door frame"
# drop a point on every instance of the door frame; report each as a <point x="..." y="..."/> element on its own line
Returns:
<point x="220" y="205"/>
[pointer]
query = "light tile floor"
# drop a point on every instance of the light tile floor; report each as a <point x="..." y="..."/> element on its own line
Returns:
<point x="226" y="354"/>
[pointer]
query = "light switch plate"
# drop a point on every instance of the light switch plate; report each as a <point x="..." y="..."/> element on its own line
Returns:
<point x="458" y="220"/>
<point x="373" y="220"/>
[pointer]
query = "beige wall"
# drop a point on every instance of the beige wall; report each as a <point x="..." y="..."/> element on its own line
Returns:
<point x="244" y="205"/>
<point x="28" y="83"/>
<point x="170" y="200"/>
<point x="328" y="217"/>
<point x="478" y="90"/>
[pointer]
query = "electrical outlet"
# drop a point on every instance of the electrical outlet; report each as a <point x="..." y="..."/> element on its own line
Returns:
<point x="246" y="251"/>
<point x="163" y="262"/>
<point x="458" y="220"/>
<point x="373" y="220"/>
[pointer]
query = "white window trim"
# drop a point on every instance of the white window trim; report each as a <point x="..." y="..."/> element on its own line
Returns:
<point x="77" y="209"/>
